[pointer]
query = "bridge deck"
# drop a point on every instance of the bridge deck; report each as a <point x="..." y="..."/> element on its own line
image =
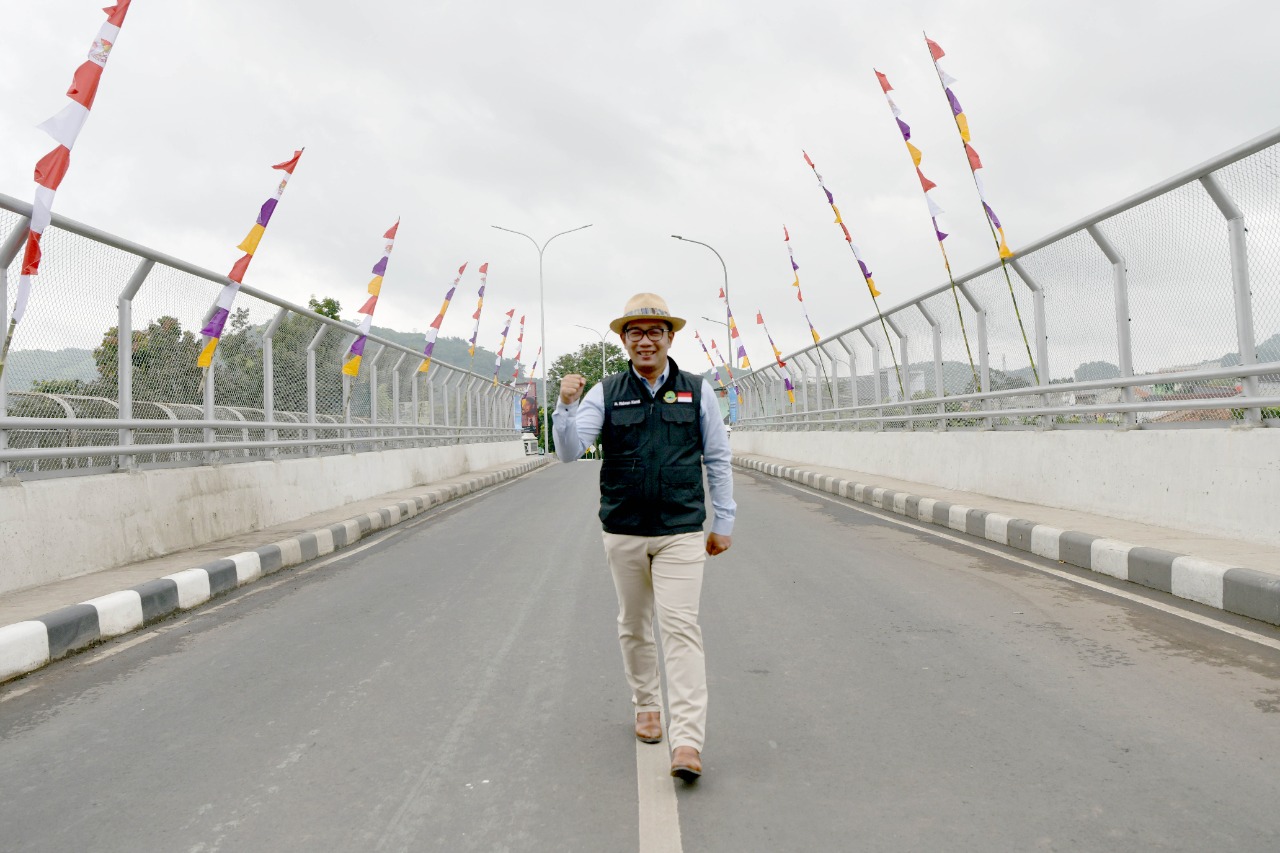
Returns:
<point x="454" y="683"/>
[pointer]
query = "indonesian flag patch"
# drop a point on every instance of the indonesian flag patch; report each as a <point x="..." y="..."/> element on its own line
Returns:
<point x="684" y="396"/>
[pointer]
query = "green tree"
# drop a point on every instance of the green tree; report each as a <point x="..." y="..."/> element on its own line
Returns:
<point x="289" y="361"/>
<point x="585" y="362"/>
<point x="328" y="306"/>
<point x="164" y="362"/>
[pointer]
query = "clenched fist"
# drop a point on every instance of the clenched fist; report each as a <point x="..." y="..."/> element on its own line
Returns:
<point x="571" y="388"/>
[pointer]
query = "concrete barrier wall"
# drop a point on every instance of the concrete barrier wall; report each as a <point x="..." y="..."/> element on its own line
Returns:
<point x="1224" y="482"/>
<point x="60" y="528"/>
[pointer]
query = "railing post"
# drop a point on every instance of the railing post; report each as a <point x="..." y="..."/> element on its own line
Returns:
<point x="875" y="371"/>
<point x="269" y="378"/>
<point x="1041" y="333"/>
<point x="124" y="357"/>
<point x="1042" y="336"/>
<point x="835" y="376"/>
<point x="416" y="381"/>
<point x="471" y="401"/>
<point x="373" y="389"/>
<point x="1241" y="292"/>
<point x="984" y="353"/>
<point x="445" y="388"/>
<point x="431" y="397"/>
<point x="814" y="357"/>
<point x="8" y="251"/>
<point x="905" y="355"/>
<point x="311" y="387"/>
<point x="1120" y="283"/>
<point x="395" y="388"/>
<point x="210" y="381"/>
<point x="853" y="376"/>
<point x="938" y="389"/>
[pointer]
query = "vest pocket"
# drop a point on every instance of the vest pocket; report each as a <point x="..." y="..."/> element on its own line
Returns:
<point x="621" y="489"/>
<point x="683" y="503"/>
<point x="680" y="422"/>
<point x="626" y="426"/>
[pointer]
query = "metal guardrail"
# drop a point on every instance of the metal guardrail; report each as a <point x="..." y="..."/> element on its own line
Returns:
<point x="1167" y="291"/>
<point x="275" y="389"/>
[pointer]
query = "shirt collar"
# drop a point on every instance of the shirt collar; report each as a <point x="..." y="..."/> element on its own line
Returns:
<point x="662" y="377"/>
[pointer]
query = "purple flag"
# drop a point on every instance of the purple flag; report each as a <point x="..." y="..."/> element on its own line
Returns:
<point x="955" y="104"/>
<point x="904" y="127"/>
<point x="268" y="208"/>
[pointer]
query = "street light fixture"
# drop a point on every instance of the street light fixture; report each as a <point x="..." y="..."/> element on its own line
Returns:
<point x="728" y="328"/>
<point x="601" y="334"/>
<point x="542" y="312"/>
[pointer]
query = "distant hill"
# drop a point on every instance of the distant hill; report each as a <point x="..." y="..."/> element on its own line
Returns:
<point x="26" y="367"/>
<point x="454" y="351"/>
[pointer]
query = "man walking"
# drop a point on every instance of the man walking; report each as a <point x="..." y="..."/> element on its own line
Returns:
<point x="658" y="426"/>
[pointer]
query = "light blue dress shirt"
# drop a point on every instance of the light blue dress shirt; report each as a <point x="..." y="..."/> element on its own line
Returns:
<point x="576" y="427"/>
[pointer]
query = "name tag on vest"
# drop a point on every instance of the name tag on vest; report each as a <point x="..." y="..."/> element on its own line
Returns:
<point x="617" y="403"/>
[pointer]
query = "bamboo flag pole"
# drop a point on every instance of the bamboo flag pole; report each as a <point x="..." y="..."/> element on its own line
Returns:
<point x="64" y="126"/>
<point x="862" y="267"/>
<point x="795" y="271"/>
<point x="934" y="212"/>
<point x="975" y="163"/>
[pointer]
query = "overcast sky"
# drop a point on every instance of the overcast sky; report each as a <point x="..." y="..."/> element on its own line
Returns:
<point x="643" y="119"/>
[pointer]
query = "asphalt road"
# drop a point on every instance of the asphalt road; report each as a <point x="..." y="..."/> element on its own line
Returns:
<point x="456" y="685"/>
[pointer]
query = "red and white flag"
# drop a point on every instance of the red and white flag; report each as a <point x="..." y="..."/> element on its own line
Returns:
<point x="64" y="128"/>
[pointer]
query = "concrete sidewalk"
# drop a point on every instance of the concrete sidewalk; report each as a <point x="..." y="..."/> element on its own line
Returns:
<point x="1229" y="574"/>
<point x="43" y="623"/>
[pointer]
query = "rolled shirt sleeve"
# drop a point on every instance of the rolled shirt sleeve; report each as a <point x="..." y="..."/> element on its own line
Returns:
<point x="577" y="426"/>
<point x="718" y="459"/>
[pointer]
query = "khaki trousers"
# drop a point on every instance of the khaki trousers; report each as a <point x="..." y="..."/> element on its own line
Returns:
<point x="662" y="575"/>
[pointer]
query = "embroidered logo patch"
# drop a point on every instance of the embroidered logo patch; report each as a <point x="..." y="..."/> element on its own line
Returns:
<point x="684" y="396"/>
<point x="669" y="397"/>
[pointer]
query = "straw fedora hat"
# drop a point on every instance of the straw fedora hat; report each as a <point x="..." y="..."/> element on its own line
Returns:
<point x="646" y="306"/>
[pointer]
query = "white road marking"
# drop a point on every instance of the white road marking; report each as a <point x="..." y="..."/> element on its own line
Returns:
<point x="1208" y="622"/>
<point x="655" y="786"/>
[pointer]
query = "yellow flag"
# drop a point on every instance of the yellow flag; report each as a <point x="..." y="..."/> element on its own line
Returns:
<point x="249" y="244"/>
<point x="352" y="367"/>
<point x="915" y="153"/>
<point x="375" y="285"/>
<point x="963" y="124"/>
<point x="206" y="354"/>
<point x="1005" y="251"/>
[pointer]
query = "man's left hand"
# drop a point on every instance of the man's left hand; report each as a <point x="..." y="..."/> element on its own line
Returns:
<point x="718" y="543"/>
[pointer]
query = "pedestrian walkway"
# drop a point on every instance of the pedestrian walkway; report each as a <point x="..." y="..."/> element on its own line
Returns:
<point x="1230" y="574"/>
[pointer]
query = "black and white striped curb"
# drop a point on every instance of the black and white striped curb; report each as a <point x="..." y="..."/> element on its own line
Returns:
<point x="27" y="646"/>
<point x="1246" y="592"/>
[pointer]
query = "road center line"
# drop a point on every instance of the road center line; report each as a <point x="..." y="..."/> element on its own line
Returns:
<point x="655" y="787"/>
<point x="1172" y="610"/>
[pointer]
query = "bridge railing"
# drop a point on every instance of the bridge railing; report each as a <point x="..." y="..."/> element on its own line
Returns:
<point x="1162" y="310"/>
<point x="103" y="375"/>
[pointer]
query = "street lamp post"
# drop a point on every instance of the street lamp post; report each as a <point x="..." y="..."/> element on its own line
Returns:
<point x="728" y="328"/>
<point x="601" y="334"/>
<point x="542" y="312"/>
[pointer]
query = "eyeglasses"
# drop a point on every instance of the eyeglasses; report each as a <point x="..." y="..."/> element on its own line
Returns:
<point x="654" y="334"/>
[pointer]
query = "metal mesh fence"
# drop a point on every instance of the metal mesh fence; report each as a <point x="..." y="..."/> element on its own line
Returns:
<point x="275" y="389"/>
<point x="1137" y="321"/>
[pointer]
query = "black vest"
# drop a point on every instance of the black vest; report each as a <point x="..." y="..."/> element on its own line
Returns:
<point x="651" y="479"/>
